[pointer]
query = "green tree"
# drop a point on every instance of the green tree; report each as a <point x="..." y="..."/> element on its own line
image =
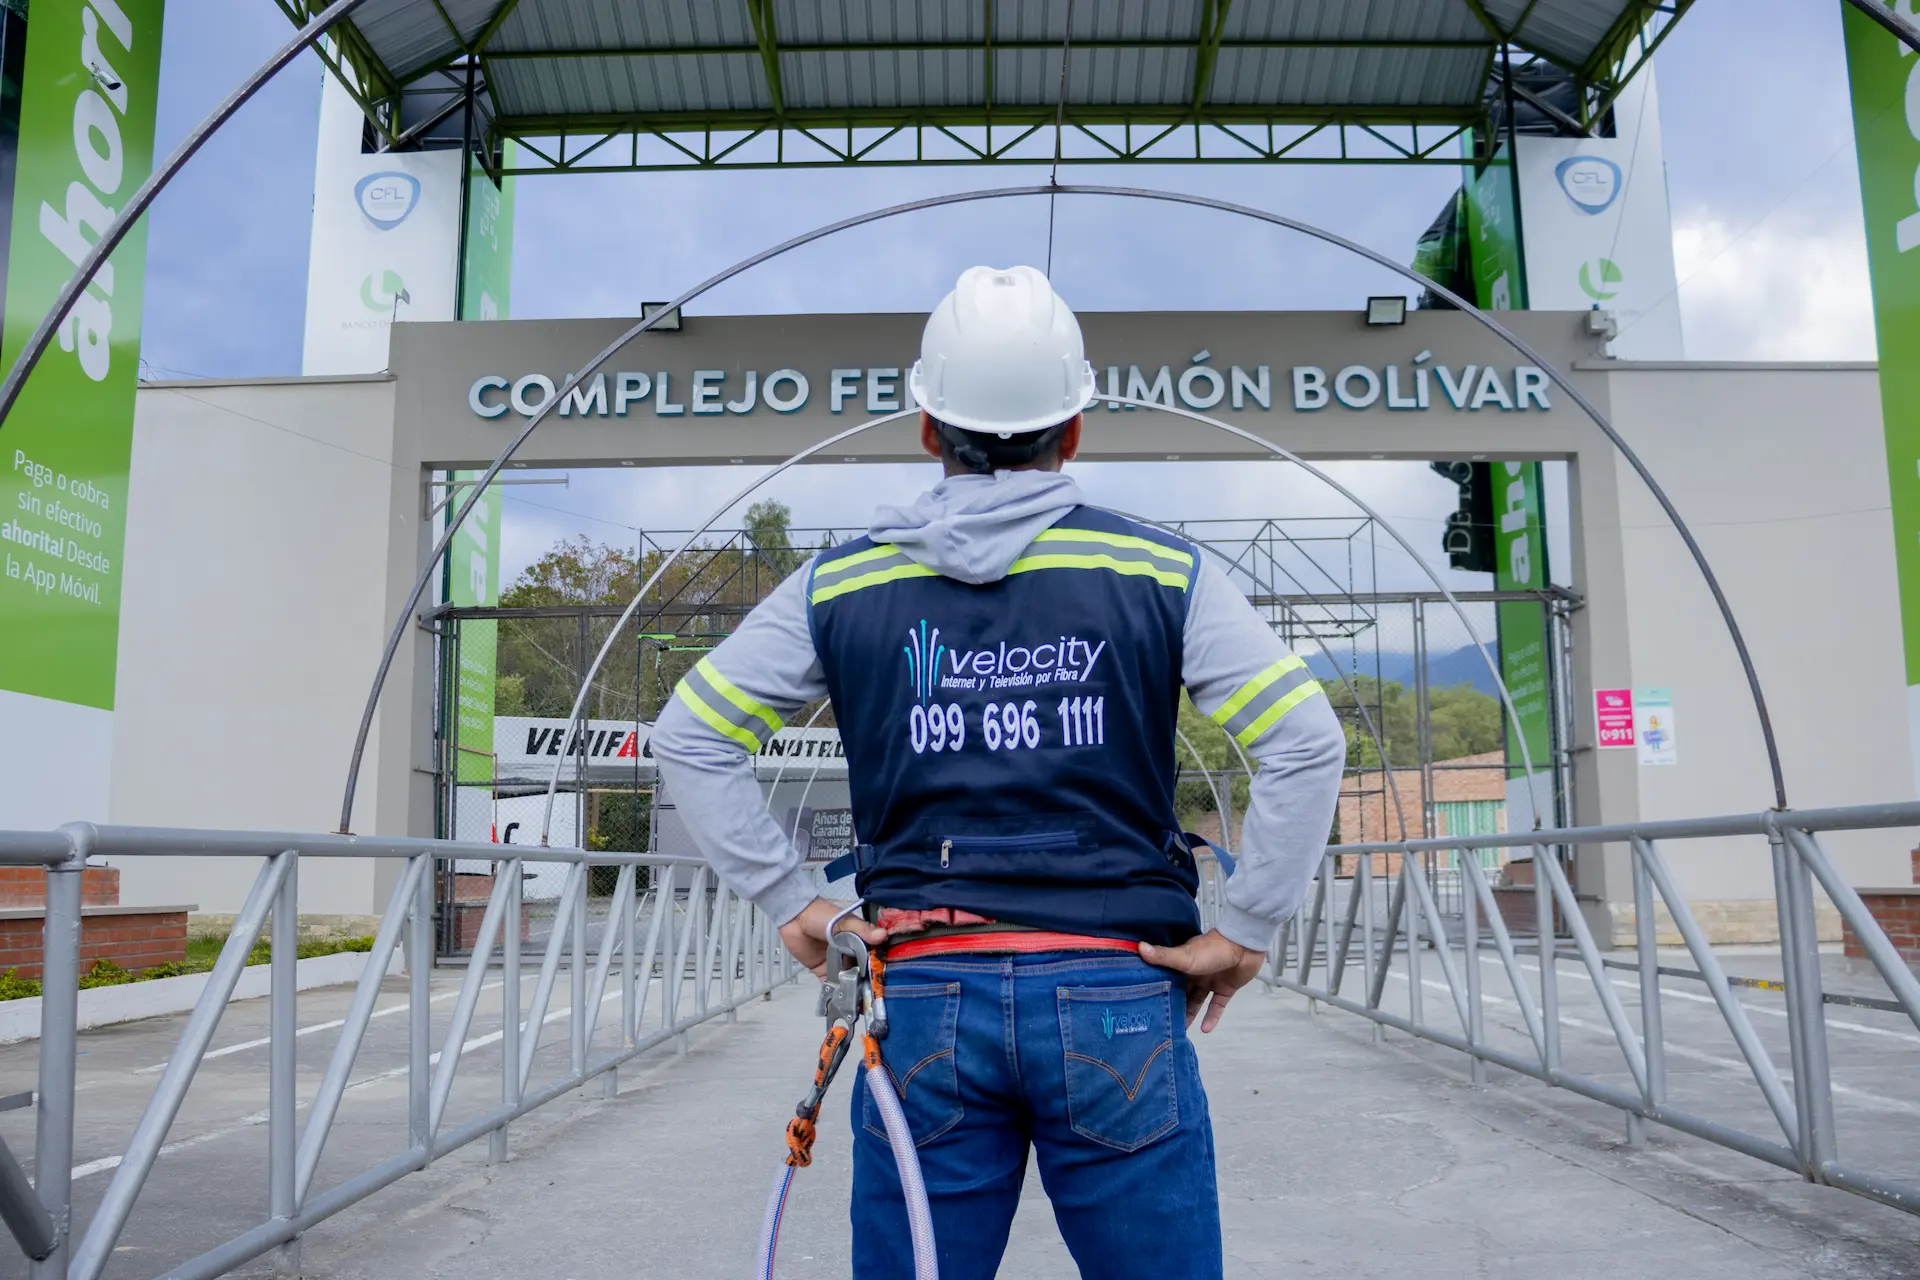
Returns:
<point x="697" y="599"/>
<point x="574" y="572"/>
<point x="1463" y="721"/>
<point x="769" y="531"/>
<point x="1207" y="747"/>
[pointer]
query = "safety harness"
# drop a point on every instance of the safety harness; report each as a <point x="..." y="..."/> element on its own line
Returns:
<point x="845" y="995"/>
<point x="855" y="988"/>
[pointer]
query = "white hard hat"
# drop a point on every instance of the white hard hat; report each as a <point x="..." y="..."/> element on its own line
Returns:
<point x="1002" y="353"/>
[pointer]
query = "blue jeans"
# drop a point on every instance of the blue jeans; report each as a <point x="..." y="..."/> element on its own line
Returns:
<point x="1082" y="1055"/>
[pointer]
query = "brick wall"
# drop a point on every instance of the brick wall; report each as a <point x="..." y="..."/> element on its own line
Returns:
<point x="1898" y="912"/>
<point x="27" y="887"/>
<point x="472" y="887"/>
<point x="467" y="917"/>
<point x="134" y="941"/>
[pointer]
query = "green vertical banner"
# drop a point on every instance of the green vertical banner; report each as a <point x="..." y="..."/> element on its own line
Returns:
<point x="1520" y="542"/>
<point x="487" y="275"/>
<point x="1884" y="75"/>
<point x="474" y="579"/>
<point x="474" y="555"/>
<point x="1493" y="235"/>
<point x="1500" y="283"/>
<point x="89" y="72"/>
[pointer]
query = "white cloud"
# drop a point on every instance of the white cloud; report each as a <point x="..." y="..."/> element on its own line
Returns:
<point x="1777" y="292"/>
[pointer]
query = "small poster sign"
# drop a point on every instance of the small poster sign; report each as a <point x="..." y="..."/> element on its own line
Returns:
<point x="1613" y="717"/>
<point x="1653" y="725"/>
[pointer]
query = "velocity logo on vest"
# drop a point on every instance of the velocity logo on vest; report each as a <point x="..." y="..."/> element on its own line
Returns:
<point x="1004" y="664"/>
<point x="923" y="658"/>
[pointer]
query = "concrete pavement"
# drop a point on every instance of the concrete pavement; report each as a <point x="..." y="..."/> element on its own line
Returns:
<point x="1337" y="1158"/>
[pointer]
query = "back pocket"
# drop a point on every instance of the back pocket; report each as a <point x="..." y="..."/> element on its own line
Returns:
<point x="923" y="1023"/>
<point x="1119" y="1062"/>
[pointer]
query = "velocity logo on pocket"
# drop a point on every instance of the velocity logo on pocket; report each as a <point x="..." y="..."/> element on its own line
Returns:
<point x="1122" y="1024"/>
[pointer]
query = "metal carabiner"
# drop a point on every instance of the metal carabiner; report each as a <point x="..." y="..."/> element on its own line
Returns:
<point x="851" y="985"/>
<point x="841" y="996"/>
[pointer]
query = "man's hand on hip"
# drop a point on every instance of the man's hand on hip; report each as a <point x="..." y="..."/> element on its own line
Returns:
<point x="1215" y="967"/>
<point x="806" y="934"/>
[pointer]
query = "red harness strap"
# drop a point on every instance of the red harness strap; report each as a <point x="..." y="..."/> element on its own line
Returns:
<point x="1012" y="941"/>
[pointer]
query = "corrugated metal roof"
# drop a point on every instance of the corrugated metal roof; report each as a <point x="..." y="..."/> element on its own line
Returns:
<point x="1327" y="21"/>
<point x="965" y="61"/>
<point x="602" y="87"/>
<point x="843" y="21"/>
<point x="561" y="25"/>
<point x="831" y="81"/>
<point x="1567" y="30"/>
<point x="1347" y="77"/>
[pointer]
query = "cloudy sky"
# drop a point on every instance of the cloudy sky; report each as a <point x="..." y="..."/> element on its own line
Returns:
<point x="1761" y="176"/>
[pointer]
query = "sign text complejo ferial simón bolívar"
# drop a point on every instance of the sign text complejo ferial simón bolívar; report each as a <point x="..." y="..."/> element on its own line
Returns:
<point x="1418" y="385"/>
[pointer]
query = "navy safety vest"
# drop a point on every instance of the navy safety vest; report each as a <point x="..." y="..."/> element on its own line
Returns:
<point x="1010" y="745"/>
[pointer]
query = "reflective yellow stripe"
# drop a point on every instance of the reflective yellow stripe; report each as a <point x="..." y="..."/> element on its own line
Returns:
<point x="1116" y="540"/>
<point x="1132" y="568"/>
<point x="858" y="557"/>
<point x="737" y="698"/>
<point x="714" y="720"/>
<point x="1246" y="692"/>
<point x="1251" y="734"/>
<point x="872" y="580"/>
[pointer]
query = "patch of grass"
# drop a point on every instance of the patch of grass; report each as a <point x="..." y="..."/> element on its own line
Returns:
<point x="171" y="969"/>
<point x="202" y="952"/>
<point x="334" y="946"/>
<point x="104" y="973"/>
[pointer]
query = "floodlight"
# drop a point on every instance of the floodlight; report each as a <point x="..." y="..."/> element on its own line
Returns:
<point x="1388" y="310"/>
<point x="668" y="323"/>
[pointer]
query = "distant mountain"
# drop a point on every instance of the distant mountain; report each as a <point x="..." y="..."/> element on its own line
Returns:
<point x="1461" y="666"/>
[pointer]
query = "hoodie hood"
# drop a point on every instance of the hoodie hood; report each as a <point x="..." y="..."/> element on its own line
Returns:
<point x="972" y="528"/>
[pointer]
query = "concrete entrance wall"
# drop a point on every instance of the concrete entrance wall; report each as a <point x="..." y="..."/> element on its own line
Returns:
<point x="301" y="500"/>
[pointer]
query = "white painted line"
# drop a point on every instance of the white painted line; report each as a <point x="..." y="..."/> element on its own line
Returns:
<point x="263" y="1041"/>
<point x="1679" y="1051"/>
<point x="1665" y="991"/>
<point x="92" y="1167"/>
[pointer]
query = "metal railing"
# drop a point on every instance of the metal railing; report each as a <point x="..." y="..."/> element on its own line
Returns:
<point x="706" y="951"/>
<point x="687" y="950"/>
<point x="1385" y="924"/>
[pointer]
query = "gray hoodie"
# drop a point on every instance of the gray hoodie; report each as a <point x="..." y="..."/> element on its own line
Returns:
<point x="972" y="528"/>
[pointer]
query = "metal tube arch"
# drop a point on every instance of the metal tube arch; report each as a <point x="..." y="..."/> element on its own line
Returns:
<point x="156" y="182"/>
<point x="1359" y="703"/>
<point x="1506" y="700"/>
<point x="1900" y="25"/>
<point x="1212" y="789"/>
<point x="1246" y="764"/>
<point x="1553" y="372"/>
<point x="780" y="774"/>
<point x="1473" y="634"/>
<point x="812" y="777"/>
<point x="613" y="632"/>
